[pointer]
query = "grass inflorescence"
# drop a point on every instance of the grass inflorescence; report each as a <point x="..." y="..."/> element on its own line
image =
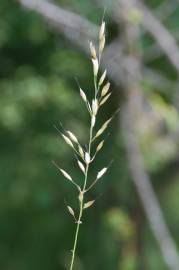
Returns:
<point x="85" y="156"/>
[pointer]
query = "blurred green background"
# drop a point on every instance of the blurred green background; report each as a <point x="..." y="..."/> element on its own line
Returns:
<point x="38" y="67"/>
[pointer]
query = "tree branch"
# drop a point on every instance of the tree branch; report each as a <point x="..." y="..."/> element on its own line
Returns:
<point x="79" y="31"/>
<point x="73" y="26"/>
<point x="162" y="36"/>
<point x="165" y="9"/>
<point x="157" y="30"/>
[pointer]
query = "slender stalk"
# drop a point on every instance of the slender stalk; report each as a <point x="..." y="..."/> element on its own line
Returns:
<point x="76" y="236"/>
<point x="81" y="203"/>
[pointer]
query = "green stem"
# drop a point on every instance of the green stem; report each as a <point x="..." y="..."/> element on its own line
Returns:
<point x="81" y="204"/>
<point x="76" y="236"/>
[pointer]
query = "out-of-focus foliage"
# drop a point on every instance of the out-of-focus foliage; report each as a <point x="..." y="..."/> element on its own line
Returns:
<point x="38" y="89"/>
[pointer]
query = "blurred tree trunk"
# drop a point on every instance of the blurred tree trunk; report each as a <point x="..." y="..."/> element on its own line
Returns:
<point x="130" y="115"/>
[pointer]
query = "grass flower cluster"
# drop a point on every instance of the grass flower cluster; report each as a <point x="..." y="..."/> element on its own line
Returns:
<point x="86" y="155"/>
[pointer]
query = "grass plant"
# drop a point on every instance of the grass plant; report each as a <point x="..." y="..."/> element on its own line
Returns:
<point x="86" y="155"/>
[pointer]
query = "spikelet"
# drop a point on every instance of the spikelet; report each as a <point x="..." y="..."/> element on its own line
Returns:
<point x="102" y="30"/>
<point x="104" y="99"/>
<point x="80" y="164"/>
<point x="88" y="204"/>
<point x="95" y="66"/>
<point x="87" y="158"/>
<point x="100" y="145"/>
<point x="67" y="176"/>
<point x="94" y="106"/>
<point x="102" y="37"/>
<point x="102" y="44"/>
<point x="93" y="120"/>
<point x="67" y="140"/>
<point x="93" y="51"/>
<point x="102" y="78"/>
<point x="70" y="210"/>
<point x="105" y="89"/>
<point x="72" y="136"/>
<point x="83" y="95"/>
<point x="101" y="173"/>
<point x="102" y="129"/>
<point x="80" y="150"/>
